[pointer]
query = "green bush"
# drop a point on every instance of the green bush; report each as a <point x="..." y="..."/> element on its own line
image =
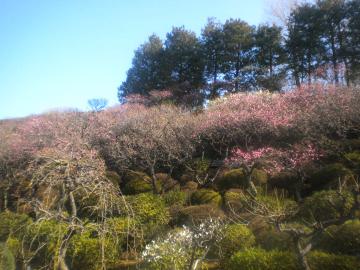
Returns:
<point x="284" y="180"/>
<point x="328" y="176"/>
<point x="234" y="178"/>
<point x="85" y="250"/>
<point x="12" y="224"/>
<point x="175" y="198"/>
<point x="137" y="182"/>
<point x="190" y="186"/>
<point x="149" y="210"/>
<point x="197" y="213"/>
<point x="343" y="239"/>
<point x="326" y="205"/>
<point x="114" y="177"/>
<point x="233" y="200"/>
<point x="273" y="239"/>
<point x="259" y="259"/>
<point x="206" y="196"/>
<point x="353" y="159"/>
<point x="259" y="177"/>
<point x="44" y="236"/>
<point x="236" y="237"/>
<point x="7" y="260"/>
<point x="166" y="183"/>
<point x="321" y="261"/>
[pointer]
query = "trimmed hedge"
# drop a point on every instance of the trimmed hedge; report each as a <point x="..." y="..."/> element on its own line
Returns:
<point x="236" y="237"/>
<point x="234" y="178"/>
<point x="259" y="259"/>
<point x="206" y="196"/>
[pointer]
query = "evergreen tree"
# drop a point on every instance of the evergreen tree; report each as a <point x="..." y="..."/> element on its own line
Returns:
<point x="148" y="71"/>
<point x="303" y="43"/>
<point x="212" y="40"/>
<point x="269" y="57"/>
<point x="239" y="56"/>
<point x="185" y="63"/>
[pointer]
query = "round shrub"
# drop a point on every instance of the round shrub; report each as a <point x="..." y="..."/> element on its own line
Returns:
<point x="7" y="260"/>
<point x="166" y="182"/>
<point x="284" y="180"/>
<point x="326" y="205"/>
<point x="273" y="239"/>
<point x="85" y="250"/>
<point x="236" y="237"/>
<point x="259" y="177"/>
<point x="233" y="200"/>
<point x="114" y="177"/>
<point x="175" y="198"/>
<point x="319" y="261"/>
<point x="235" y="178"/>
<point x="259" y="259"/>
<point x="48" y="233"/>
<point x="149" y="209"/>
<point x="197" y="213"/>
<point x="12" y="224"/>
<point x="137" y="182"/>
<point x="328" y="176"/>
<point x="190" y="186"/>
<point x="344" y="239"/>
<point x="206" y="196"/>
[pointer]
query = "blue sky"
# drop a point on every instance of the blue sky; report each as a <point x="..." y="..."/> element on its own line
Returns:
<point x="60" y="53"/>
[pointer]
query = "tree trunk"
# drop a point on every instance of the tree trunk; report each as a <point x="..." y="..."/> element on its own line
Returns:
<point x="301" y="252"/>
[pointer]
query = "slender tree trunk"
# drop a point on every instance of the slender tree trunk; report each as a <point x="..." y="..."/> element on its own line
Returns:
<point x="334" y="60"/>
<point x="153" y="180"/>
<point x="301" y="255"/>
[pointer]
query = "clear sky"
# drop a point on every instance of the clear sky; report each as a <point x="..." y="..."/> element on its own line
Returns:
<point x="60" y="53"/>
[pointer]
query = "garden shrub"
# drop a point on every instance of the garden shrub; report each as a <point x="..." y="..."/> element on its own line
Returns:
<point x="326" y="205"/>
<point x="273" y="239"/>
<point x="284" y="180"/>
<point x="344" y="239"/>
<point x="353" y="159"/>
<point x="12" y="224"/>
<point x="206" y="196"/>
<point x="233" y="200"/>
<point x="48" y="233"/>
<point x="190" y="186"/>
<point x="236" y="237"/>
<point x="234" y="178"/>
<point x="320" y="261"/>
<point x="175" y="198"/>
<point x="166" y="182"/>
<point x="149" y="211"/>
<point x="86" y="248"/>
<point x="328" y="176"/>
<point x="137" y="182"/>
<point x="114" y="177"/>
<point x="197" y="213"/>
<point x="259" y="177"/>
<point x="7" y="260"/>
<point x="259" y="259"/>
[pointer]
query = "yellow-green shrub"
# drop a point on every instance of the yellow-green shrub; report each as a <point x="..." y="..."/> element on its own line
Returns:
<point x="343" y="239"/>
<point x="206" y="196"/>
<point x="259" y="259"/>
<point x="234" y="178"/>
<point x="137" y="182"/>
<point x="7" y="260"/>
<point x="150" y="211"/>
<point x="321" y="261"/>
<point x="259" y="177"/>
<point x="12" y="224"/>
<point x="326" y="205"/>
<point x="236" y="237"/>
<point x="197" y="213"/>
